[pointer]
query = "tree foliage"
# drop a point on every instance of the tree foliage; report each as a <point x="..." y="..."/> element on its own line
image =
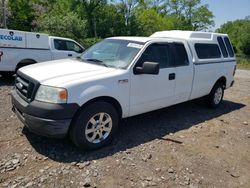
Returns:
<point x="103" y="18"/>
<point x="21" y="15"/>
<point x="149" y="21"/>
<point x="239" y="33"/>
<point x="67" y="25"/>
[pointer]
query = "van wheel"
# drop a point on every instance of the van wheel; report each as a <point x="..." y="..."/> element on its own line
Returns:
<point x="216" y="95"/>
<point x="94" y="126"/>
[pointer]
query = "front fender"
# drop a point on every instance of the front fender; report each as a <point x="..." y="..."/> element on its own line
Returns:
<point x="94" y="92"/>
<point x="118" y="92"/>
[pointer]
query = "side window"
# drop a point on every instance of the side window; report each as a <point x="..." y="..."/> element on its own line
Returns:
<point x="65" y="45"/>
<point x="207" y="51"/>
<point x="71" y="46"/>
<point x="222" y="46"/>
<point x="229" y="47"/>
<point x="60" y="44"/>
<point x="181" y="57"/>
<point x="159" y="53"/>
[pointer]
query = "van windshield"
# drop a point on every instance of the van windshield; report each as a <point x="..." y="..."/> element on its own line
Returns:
<point x="112" y="53"/>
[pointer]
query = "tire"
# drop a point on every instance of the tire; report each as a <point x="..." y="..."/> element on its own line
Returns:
<point x="87" y="130"/>
<point x="7" y="74"/>
<point x="215" y="97"/>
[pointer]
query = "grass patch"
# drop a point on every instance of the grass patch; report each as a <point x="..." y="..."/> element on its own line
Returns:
<point x="243" y="62"/>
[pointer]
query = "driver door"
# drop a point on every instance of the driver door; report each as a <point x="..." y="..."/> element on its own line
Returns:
<point x="66" y="49"/>
<point x="151" y="92"/>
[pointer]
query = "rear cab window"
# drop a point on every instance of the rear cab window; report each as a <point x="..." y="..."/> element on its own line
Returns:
<point x="181" y="57"/>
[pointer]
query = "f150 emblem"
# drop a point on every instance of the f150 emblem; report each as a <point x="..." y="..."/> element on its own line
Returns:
<point x="1" y="54"/>
<point x="19" y="86"/>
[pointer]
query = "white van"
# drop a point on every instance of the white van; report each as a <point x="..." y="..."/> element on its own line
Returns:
<point x="19" y="48"/>
<point x="121" y="77"/>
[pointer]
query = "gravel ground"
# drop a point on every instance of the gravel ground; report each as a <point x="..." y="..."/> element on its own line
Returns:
<point x="187" y="145"/>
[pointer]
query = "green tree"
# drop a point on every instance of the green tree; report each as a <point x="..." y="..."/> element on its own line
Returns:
<point x="88" y="9"/>
<point x="191" y="14"/>
<point x="239" y="34"/>
<point x="67" y="25"/>
<point x="95" y="19"/>
<point x="149" y="21"/>
<point x="127" y="9"/>
<point x="202" y="18"/>
<point x="22" y="14"/>
<point x="110" y="22"/>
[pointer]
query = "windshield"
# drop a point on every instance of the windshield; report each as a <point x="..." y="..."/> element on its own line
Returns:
<point x="112" y="53"/>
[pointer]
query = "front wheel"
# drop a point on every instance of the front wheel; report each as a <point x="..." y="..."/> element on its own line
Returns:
<point x="216" y="95"/>
<point x="94" y="126"/>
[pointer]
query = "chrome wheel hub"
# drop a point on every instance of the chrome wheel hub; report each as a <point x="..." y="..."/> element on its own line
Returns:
<point x="98" y="127"/>
<point x="218" y="95"/>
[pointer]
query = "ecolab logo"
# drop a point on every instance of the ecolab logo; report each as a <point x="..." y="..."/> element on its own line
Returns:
<point x="9" y="37"/>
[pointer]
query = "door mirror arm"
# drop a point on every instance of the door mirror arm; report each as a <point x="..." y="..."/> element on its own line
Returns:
<point x="138" y="70"/>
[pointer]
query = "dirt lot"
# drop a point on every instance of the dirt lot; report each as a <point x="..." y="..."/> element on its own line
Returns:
<point x="187" y="145"/>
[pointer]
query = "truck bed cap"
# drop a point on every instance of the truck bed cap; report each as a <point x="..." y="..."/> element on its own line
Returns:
<point x="187" y="35"/>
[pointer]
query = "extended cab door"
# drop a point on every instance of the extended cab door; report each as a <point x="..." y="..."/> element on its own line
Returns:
<point x="150" y="92"/>
<point x="62" y="49"/>
<point x="184" y="72"/>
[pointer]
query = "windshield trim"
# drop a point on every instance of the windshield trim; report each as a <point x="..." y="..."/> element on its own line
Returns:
<point x="130" y="41"/>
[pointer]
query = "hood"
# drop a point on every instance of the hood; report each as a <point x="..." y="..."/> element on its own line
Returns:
<point x="59" y="72"/>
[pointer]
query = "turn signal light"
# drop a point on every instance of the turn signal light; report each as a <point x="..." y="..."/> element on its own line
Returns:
<point x="63" y="94"/>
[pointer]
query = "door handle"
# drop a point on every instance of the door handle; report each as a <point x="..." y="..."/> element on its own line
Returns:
<point x="70" y="55"/>
<point x="171" y="76"/>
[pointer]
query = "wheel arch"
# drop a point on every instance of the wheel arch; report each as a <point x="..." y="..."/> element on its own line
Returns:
<point x="108" y="99"/>
<point x="222" y="80"/>
<point x="25" y="62"/>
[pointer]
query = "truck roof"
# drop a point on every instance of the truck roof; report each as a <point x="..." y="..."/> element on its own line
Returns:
<point x="187" y="35"/>
<point x="175" y="34"/>
<point x="61" y="38"/>
<point x="139" y="39"/>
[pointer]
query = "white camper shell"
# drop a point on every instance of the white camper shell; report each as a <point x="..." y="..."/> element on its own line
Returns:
<point x="197" y="37"/>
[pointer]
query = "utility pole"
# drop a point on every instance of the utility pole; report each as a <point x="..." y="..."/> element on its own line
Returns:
<point x="4" y="14"/>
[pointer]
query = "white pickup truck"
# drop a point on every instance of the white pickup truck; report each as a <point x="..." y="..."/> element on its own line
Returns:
<point x="122" y="77"/>
<point x="19" y="48"/>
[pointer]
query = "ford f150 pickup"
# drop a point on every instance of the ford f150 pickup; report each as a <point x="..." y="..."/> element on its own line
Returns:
<point x="20" y="48"/>
<point x="121" y="77"/>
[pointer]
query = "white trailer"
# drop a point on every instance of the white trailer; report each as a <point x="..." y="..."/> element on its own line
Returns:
<point x="20" y="48"/>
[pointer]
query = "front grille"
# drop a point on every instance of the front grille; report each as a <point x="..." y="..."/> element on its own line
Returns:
<point x="25" y="88"/>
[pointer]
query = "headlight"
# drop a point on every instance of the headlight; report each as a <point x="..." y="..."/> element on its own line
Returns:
<point x="51" y="94"/>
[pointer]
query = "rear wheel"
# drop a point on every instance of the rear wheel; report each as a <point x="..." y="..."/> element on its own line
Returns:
<point x="94" y="126"/>
<point x="216" y="95"/>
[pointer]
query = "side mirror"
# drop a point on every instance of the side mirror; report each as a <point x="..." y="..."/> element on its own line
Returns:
<point x="148" y="68"/>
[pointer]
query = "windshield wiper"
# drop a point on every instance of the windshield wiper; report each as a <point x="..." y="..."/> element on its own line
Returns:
<point x="97" y="61"/>
<point x="94" y="60"/>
